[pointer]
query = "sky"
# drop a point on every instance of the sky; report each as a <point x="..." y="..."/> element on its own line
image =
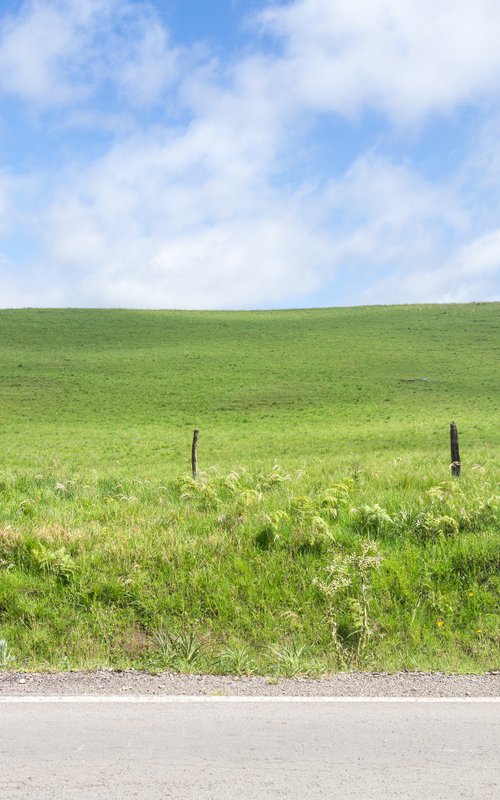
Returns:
<point x="235" y="154"/>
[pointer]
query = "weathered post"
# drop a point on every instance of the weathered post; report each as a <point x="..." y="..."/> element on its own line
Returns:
<point x="194" y="453"/>
<point x="455" y="452"/>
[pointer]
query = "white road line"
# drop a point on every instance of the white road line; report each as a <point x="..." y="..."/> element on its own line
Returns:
<point x="232" y="699"/>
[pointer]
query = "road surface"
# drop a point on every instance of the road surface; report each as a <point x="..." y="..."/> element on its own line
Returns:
<point x="248" y="748"/>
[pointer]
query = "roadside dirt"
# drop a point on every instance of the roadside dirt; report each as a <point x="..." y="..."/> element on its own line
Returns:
<point x="103" y="682"/>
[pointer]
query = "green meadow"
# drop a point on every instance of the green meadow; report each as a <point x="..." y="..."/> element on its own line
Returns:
<point x="324" y="531"/>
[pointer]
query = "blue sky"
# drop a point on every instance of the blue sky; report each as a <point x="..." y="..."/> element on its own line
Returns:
<point x="257" y="154"/>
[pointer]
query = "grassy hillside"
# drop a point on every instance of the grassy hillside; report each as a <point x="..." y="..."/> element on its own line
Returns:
<point x="359" y="552"/>
<point x="121" y="390"/>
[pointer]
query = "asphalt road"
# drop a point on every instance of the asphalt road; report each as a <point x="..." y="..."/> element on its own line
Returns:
<point x="248" y="749"/>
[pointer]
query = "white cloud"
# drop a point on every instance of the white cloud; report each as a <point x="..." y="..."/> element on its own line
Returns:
<point x="376" y="189"/>
<point x="60" y="52"/>
<point x="4" y="201"/>
<point x="14" y="198"/>
<point x="479" y="174"/>
<point x="33" y="287"/>
<point x="211" y="212"/>
<point x="186" y="216"/>
<point x="400" y="238"/>
<point x="232" y="265"/>
<point x="480" y="257"/>
<point x="385" y="219"/>
<point x="471" y="272"/>
<point x="406" y="58"/>
<point x="191" y="220"/>
<point x="150" y="66"/>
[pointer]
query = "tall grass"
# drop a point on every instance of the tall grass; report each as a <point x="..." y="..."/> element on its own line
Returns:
<point x="273" y="573"/>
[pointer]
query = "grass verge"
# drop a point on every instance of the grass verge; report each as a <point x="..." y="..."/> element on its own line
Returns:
<point x="271" y="573"/>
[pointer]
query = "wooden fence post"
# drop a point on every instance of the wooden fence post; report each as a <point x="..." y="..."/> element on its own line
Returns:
<point x="194" y="453"/>
<point x="455" y="452"/>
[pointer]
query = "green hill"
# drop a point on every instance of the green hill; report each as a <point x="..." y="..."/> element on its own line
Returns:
<point x="122" y="390"/>
<point x="324" y="532"/>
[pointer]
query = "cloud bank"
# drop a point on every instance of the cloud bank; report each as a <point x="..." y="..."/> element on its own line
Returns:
<point x="403" y="58"/>
<point x="185" y="180"/>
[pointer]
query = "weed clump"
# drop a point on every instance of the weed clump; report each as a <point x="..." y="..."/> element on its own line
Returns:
<point x="429" y="526"/>
<point x="346" y="590"/>
<point x="371" y="520"/>
<point x="7" y="660"/>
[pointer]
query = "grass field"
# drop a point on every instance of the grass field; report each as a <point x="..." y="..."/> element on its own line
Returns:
<point x="360" y="551"/>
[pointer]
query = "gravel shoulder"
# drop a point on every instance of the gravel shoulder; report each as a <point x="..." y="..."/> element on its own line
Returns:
<point x="361" y="684"/>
